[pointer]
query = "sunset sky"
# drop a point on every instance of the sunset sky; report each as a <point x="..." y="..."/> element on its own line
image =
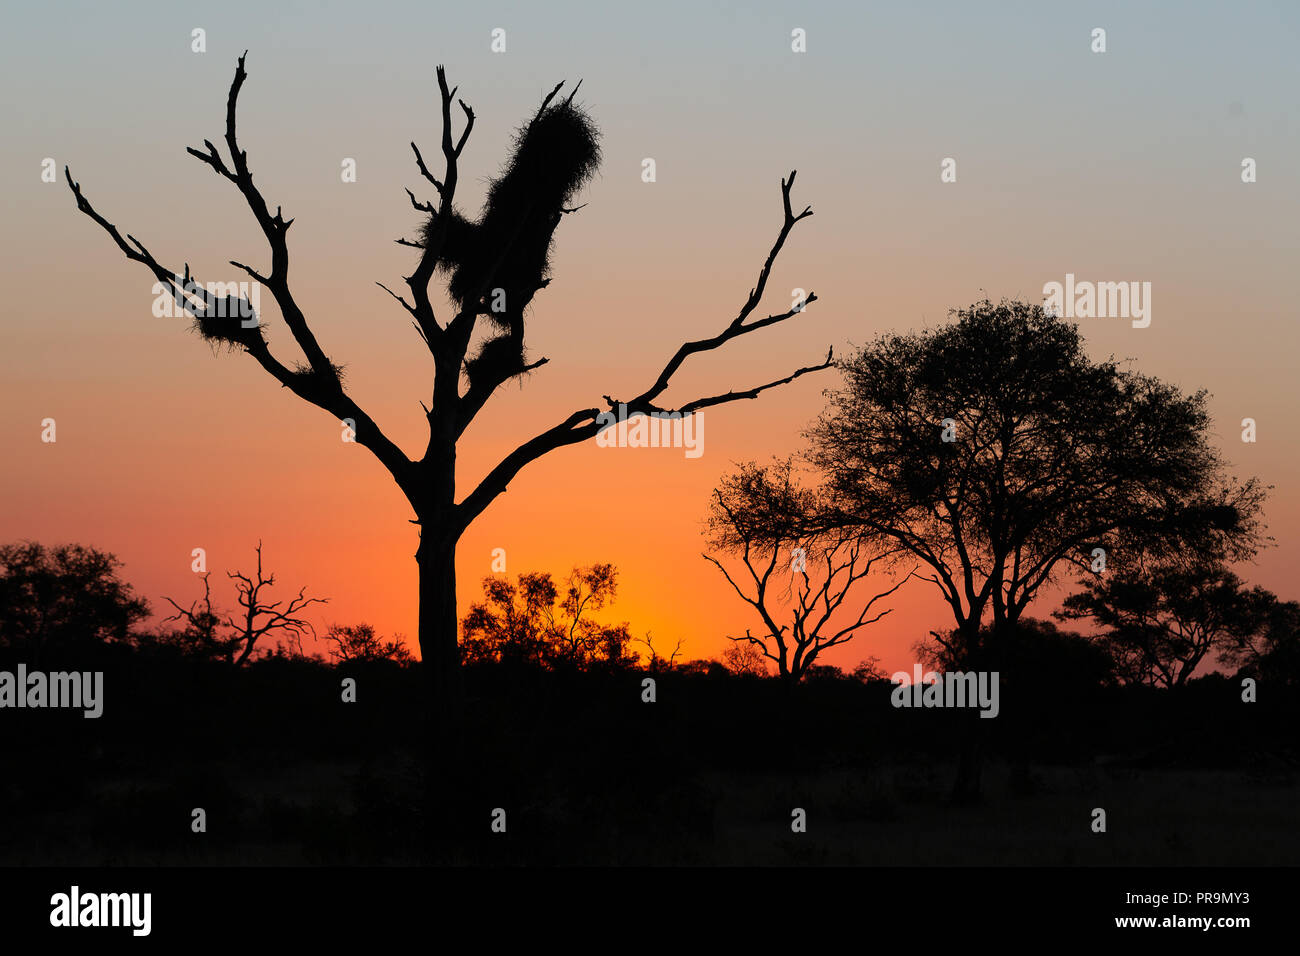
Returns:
<point x="1115" y="166"/>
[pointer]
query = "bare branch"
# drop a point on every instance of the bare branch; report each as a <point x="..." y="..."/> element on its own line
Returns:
<point x="420" y="206"/>
<point x="737" y="326"/>
<point x="424" y="171"/>
<point x="407" y="306"/>
<point x="753" y="392"/>
<point x="469" y="125"/>
<point x="320" y="386"/>
<point x="419" y="280"/>
<point x="274" y="228"/>
<point x="586" y="423"/>
<point x="547" y="102"/>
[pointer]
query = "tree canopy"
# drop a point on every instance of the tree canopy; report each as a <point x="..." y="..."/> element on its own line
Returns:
<point x="999" y="453"/>
<point x="63" y="598"/>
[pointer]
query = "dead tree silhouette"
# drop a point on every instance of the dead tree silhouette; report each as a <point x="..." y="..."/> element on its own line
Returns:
<point x="258" y="617"/>
<point x="756" y="515"/>
<point x="429" y="482"/>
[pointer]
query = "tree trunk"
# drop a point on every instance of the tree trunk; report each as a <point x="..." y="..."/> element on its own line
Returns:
<point x="440" y="669"/>
<point x="968" y="787"/>
<point x="439" y="645"/>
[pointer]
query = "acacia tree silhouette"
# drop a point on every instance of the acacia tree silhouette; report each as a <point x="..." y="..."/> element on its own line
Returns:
<point x="355" y="643"/>
<point x="429" y="482"/>
<point x="1000" y="455"/>
<point x="1164" y="617"/>
<point x="57" y="600"/>
<point x="532" y="620"/>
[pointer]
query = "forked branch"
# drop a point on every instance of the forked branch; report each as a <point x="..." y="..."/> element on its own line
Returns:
<point x="217" y="318"/>
<point x="587" y="422"/>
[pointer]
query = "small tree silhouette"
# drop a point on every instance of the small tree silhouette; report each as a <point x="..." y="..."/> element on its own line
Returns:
<point x="746" y="659"/>
<point x="758" y="514"/>
<point x="530" y="621"/>
<point x="258" y="618"/>
<point x="655" y="661"/>
<point x="1163" y="618"/>
<point x="63" y="598"/>
<point x="1271" y="650"/>
<point x="870" y="669"/>
<point x="359" y="642"/>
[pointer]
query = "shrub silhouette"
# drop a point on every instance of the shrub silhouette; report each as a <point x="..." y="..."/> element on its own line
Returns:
<point x="61" y="599"/>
